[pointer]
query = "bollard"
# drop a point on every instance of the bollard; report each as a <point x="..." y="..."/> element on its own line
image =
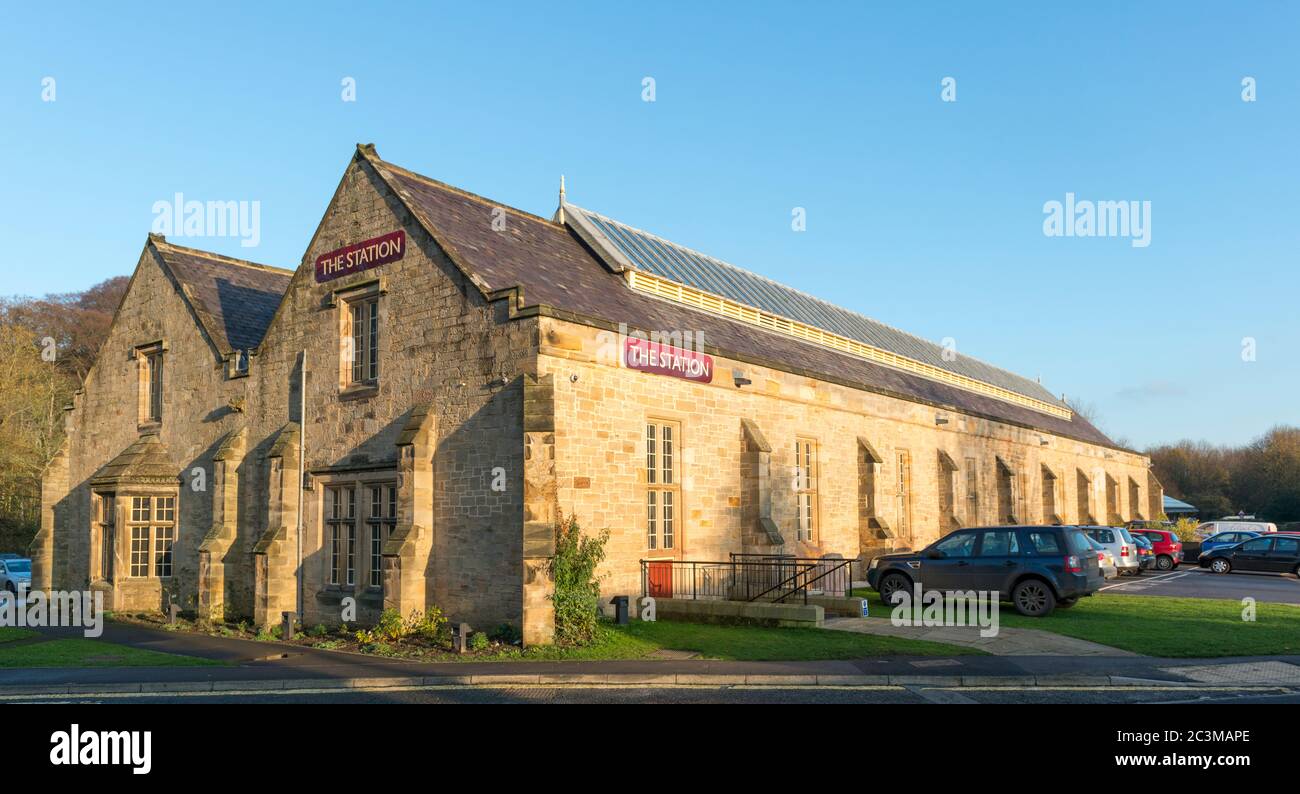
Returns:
<point x="174" y="614"/>
<point x="460" y="638"/>
<point x="620" y="609"/>
<point x="286" y="626"/>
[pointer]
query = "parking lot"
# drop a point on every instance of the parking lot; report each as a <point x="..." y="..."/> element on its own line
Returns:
<point x="1189" y="581"/>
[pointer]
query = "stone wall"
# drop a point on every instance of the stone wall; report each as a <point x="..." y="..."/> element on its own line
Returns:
<point x="600" y="416"/>
<point x="105" y="421"/>
<point x="441" y="345"/>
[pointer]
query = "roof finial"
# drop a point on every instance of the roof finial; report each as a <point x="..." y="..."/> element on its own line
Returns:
<point x="559" y="215"/>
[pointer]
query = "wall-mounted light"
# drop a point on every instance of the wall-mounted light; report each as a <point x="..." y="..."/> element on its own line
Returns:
<point x="738" y="377"/>
<point x="940" y="419"/>
<point x="1043" y="441"/>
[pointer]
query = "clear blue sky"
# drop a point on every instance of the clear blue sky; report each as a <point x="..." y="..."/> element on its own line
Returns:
<point x="923" y="214"/>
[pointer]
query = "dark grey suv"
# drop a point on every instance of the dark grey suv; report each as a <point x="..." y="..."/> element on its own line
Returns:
<point x="1036" y="568"/>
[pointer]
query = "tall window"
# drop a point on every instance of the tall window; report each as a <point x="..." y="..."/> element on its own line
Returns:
<point x="149" y="361"/>
<point x="107" y="535"/>
<point x="904" y="494"/>
<point x="154" y="362"/>
<point x="365" y="340"/>
<point x="805" y="488"/>
<point x="972" y="493"/>
<point x="341" y="520"/>
<point x="164" y="511"/>
<point x="662" y="489"/>
<point x="141" y="512"/>
<point x="379" y="526"/>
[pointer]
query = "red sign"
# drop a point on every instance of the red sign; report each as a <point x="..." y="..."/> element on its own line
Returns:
<point x="661" y="359"/>
<point x="361" y="256"/>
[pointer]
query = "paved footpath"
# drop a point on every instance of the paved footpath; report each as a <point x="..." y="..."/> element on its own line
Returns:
<point x="261" y="666"/>
<point x="1008" y="642"/>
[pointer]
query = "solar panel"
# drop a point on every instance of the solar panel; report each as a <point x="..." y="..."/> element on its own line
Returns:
<point x="663" y="258"/>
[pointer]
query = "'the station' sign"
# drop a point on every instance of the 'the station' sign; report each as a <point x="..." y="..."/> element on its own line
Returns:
<point x="361" y="256"/>
<point x="661" y="359"/>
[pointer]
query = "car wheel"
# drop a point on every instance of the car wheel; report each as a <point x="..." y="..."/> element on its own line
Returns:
<point x="1165" y="563"/>
<point x="1066" y="603"/>
<point x="10" y="587"/>
<point x="892" y="583"/>
<point x="1220" y="565"/>
<point x="1033" y="598"/>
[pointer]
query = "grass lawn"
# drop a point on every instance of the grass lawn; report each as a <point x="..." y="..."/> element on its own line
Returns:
<point x="740" y="643"/>
<point x="8" y="633"/>
<point x="1160" y="625"/>
<point x="81" y="652"/>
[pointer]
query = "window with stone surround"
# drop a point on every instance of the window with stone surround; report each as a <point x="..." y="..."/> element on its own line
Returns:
<point x="363" y="349"/>
<point x="380" y="521"/>
<point x="149" y="360"/>
<point x="972" y="493"/>
<point x="341" y="520"/>
<point x="805" y="489"/>
<point x="903" y="494"/>
<point x="663" y="490"/>
<point x="107" y="534"/>
<point x="152" y="531"/>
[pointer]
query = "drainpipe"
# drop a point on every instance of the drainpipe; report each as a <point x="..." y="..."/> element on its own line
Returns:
<point x="302" y="469"/>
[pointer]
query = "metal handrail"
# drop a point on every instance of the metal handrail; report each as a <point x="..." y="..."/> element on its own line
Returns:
<point x="738" y="578"/>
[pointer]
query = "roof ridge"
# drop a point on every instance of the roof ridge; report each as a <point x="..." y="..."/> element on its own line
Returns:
<point x="162" y="242"/>
<point x="460" y="191"/>
<point x="795" y="290"/>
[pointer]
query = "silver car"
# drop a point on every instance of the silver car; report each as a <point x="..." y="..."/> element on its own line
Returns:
<point x="1104" y="558"/>
<point x="1121" y="546"/>
<point x="15" y="574"/>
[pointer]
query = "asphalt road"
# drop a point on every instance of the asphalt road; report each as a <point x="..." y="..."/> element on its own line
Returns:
<point x="1190" y="581"/>
<point x="720" y="695"/>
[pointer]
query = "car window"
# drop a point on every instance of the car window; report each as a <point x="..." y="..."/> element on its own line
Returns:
<point x="1258" y="544"/>
<point x="19" y="566"/>
<point x="1045" y="543"/>
<point x="959" y="545"/>
<point x="1102" y="535"/>
<point x="1000" y="543"/>
<point x="1124" y="535"/>
<point x="1287" y="546"/>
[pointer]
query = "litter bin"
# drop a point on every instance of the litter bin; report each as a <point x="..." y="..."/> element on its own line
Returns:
<point x="620" y="609"/>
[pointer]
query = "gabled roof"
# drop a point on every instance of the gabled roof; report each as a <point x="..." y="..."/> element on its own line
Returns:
<point x="234" y="300"/>
<point x="547" y="268"/>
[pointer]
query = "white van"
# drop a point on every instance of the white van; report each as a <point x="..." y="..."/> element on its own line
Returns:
<point x="1209" y="528"/>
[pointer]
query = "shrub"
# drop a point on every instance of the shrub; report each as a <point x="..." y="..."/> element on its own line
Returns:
<point x="478" y="641"/>
<point x="426" y="625"/>
<point x="391" y="629"/>
<point x="577" y="588"/>
<point x="507" y="634"/>
<point x="1185" y="529"/>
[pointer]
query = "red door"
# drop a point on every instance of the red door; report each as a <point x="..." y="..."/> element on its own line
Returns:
<point x="659" y="576"/>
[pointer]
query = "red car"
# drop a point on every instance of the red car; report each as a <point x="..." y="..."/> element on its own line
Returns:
<point x="1165" y="545"/>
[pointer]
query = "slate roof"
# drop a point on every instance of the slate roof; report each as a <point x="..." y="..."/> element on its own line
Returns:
<point x="652" y="254"/>
<point x="145" y="461"/>
<point x="550" y="270"/>
<point x="233" y="299"/>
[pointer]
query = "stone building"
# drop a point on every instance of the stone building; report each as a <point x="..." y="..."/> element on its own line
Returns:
<point x="400" y="420"/>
